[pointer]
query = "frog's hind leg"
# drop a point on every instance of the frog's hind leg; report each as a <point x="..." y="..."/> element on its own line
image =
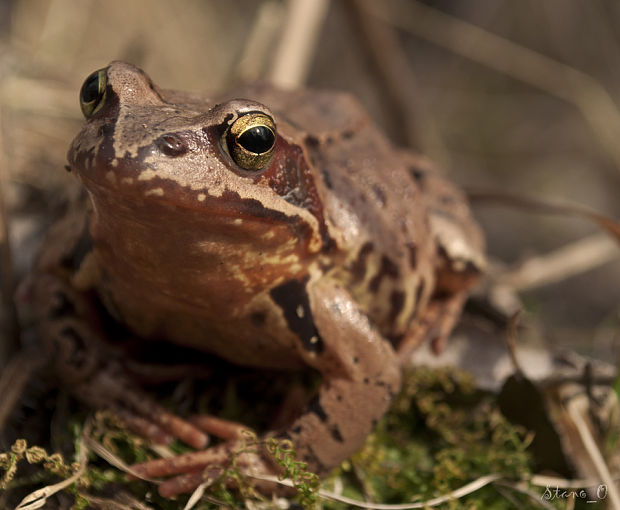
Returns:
<point x="459" y="262"/>
<point x="435" y="325"/>
<point x="72" y="336"/>
<point x="108" y="389"/>
<point x="189" y="470"/>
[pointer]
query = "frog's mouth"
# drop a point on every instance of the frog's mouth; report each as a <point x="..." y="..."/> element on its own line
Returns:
<point x="163" y="209"/>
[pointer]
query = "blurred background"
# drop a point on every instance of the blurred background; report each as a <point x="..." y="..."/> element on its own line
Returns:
<point x="519" y="97"/>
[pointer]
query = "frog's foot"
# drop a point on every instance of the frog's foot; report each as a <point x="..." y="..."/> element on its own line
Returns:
<point x="187" y="471"/>
<point x="91" y="371"/>
<point x="435" y="326"/>
<point x="219" y="427"/>
<point x="109" y="389"/>
<point x="101" y="382"/>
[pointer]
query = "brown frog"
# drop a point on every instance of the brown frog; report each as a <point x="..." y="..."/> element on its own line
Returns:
<point x="282" y="231"/>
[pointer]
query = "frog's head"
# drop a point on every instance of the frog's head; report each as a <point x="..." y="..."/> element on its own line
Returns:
<point x="208" y="183"/>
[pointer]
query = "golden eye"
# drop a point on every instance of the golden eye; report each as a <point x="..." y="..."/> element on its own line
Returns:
<point x="251" y="140"/>
<point x="92" y="93"/>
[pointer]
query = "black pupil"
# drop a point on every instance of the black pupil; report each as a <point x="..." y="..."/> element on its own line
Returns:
<point x="257" y="139"/>
<point x="90" y="89"/>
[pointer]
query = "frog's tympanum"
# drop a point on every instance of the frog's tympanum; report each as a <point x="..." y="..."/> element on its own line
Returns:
<point x="280" y="231"/>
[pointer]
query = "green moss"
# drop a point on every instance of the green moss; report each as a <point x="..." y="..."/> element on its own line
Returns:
<point x="439" y="435"/>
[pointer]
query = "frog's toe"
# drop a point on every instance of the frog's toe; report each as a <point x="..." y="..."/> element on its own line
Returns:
<point x="143" y="427"/>
<point x="108" y="389"/>
<point x="183" y="483"/>
<point x="435" y="325"/>
<point x="184" y="463"/>
<point x="146" y="409"/>
<point x="187" y="471"/>
<point x="219" y="427"/>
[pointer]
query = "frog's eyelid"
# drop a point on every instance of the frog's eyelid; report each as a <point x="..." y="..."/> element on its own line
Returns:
<point x="227" y="112"/>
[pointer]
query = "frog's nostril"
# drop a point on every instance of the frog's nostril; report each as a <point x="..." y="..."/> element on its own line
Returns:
<point x="172" y="145"/>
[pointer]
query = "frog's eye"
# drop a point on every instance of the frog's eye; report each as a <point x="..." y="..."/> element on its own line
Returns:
<point x="251" y="139"/>
<point x="92" y="93"/>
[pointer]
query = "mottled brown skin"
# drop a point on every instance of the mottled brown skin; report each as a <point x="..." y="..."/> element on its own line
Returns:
<point x="337" y="254"/>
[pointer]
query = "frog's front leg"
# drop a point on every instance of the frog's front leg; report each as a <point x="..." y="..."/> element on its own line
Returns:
<point x="69" y="330"/>
<point x="360" y="375"/>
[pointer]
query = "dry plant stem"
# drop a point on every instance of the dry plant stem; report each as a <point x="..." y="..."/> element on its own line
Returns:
<point x="560" y="80"/>
<point x="546" y="206"/>
<point x="577" y="408"/>
<point x="38" y="498"/>
<point x="463" y="491"/>
<point x="260" y="41"/>
<point x="538" y="480"/>
<point x="519" y="487"/>
<point x="120" y="501"/>
<point x="9" y="340"/>
<point x="569" y="260"/>
<point x="296" y="47"/>
<point x="392" y="71"/>
<point x="511" y="341"/>
<point x="113" y="460"/>
<point x="197" y="495"/>
<point x="14" y="379"/>
<point x="564" y="483"/>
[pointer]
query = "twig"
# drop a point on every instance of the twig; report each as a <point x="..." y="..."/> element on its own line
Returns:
<point x="569" y="260"/>
<point x="260" y="40"/>
<point x="576" y="408"/>
<point x="546" y="206"/>
<point x="560" y="80"/>
<point x="572" y="259"/>
<point x="121" y="501"/>
<point x="511" y="341"/>
<point x="455" y="494"/>
<point x="565" y="483"/>
<point x="523" y="490"/>
<point x="296" y="48"/>
<point x="38" y="498"/>
<point x="9" y="340"/>
<point x="392" y="71"/>
<point x="114" y="460"/>
<point x="197" y="495"/>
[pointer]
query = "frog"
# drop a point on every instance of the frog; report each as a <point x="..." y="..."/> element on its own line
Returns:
<point x="275" y="229"/>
